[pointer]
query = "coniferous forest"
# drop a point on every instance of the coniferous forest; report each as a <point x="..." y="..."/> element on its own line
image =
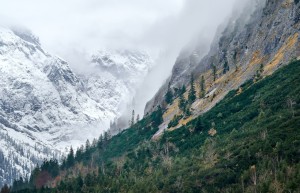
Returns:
<point x="249" y="142"/>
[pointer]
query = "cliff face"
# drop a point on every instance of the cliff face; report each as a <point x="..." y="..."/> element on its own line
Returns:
<point x="268" y="37"/>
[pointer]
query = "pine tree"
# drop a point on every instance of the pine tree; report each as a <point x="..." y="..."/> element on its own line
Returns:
<point x="202" y="87"/>
<point x="199" y="125"/>
<point x="192" y="92"/>
<point x="182" y="102"/>
<point x="214" y="71"/>
<point x="183" y="90"/>
<point x="87" y="145"/>
<point x="5" y="189"/>
<point x="169" y="95"/>
<point x="138" y="118"/>
<point x="70" y="158"/>
<point x="157" y="117"/>
<point x="225" y="67"/>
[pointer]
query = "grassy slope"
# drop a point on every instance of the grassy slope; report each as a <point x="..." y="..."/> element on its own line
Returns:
<point x="256" y="147"/>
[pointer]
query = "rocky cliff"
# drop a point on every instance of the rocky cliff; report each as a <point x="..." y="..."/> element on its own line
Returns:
<point x="259" y="41"/>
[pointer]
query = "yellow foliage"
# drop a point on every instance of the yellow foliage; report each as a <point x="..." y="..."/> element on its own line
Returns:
<point x="291" y="41"/>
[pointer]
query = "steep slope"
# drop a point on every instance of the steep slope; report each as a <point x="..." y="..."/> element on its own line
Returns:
<point x="254" y="148"/>
<point x="42" y="104"/>
<point x="267" y="39"/>
<point x="45" y="107"/>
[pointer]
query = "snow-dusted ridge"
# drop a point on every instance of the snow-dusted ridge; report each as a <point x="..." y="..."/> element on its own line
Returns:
<point x="46" y="107"/>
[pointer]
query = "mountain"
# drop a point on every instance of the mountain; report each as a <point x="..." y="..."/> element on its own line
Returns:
<point x="233" y="129"/>
<point x="267" y="38"/>
<point x="115" y="77"/>
<point x="248" y="142"/>
<point x="45" y="106"/>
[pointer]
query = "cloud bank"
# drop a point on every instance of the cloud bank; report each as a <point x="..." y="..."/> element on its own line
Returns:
<point x="74" y="28"/>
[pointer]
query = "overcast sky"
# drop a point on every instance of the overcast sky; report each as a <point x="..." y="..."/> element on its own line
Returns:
<point x="88" y="23"/>
<point x="161" y="27"/>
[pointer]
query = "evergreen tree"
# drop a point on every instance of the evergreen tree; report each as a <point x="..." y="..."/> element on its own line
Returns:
<point x="87" y="145"/>
<point x="169" y="95"/>
<point x="5" y="189"/>
<point x="100" y="141"/>
<point x="199" y="125"/>
<point x="70" y="158"/>
<point x="182" y="103"/>
<point x="138" y="118"/>
<point x="225" y="67"/>
<point x="157" y="117"/>
<point x="192" y="92"/>
<point x="78" y="183"/>
<point x="183" y="90"/>
<point x="202" y="87"/>
<point x="214" y="72"/>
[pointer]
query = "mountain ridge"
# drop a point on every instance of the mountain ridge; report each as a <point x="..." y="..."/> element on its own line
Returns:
<point x="45" y="103"/>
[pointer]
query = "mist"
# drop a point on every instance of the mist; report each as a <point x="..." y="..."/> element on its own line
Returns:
<point x="73" y="29"/>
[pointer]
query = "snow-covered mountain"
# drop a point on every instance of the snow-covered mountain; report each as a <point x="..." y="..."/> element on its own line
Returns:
<point x="115" y="76"/>
<point x="46" y="107"/>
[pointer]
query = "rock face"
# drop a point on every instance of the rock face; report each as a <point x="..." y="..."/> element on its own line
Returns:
<point x="269" y="36"/>
<point x="45" y="106"/>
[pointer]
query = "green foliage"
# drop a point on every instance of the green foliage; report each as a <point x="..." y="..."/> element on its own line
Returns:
<point x="256" y="147"/>
<point x="169" y="95"/>
<point x="202" y="87"/>
<point x="192" y="92"/>
<point x="174" y="122"/>
<point x="70" y="159"/>
<point x="156" y="117"/>
<point x="183" y="89"/>
<point x="182" y="103"/>
<point x="225" y="67"/>
<point x="199" y="124"/>
<point x="214" y="72"/>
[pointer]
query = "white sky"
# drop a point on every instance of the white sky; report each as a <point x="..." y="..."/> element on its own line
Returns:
<point x="87" y="23"/>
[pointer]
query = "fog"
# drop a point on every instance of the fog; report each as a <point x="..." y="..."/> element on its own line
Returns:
<point x="74" y="28"/>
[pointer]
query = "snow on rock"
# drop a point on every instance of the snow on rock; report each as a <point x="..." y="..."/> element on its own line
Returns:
<point x="46" y="107"/>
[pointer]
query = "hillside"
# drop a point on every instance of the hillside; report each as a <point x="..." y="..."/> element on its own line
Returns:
<point x="262" y="33"/>
<point x="248" y="142"/>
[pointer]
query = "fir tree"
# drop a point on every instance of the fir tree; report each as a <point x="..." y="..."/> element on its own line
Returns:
<point x="157" y="117"/>
<point x="225" y="67"/>
<point x="199" y="125"/>
<point x="169" y="95"/>
<point x="5" y="189"/>
<point x="182" y="102"/>
<point x="138" y="118"/>
<point x="192" y="92"/>
<point x="202" y="87"/>
<point x="70" y="158"/>
<point x="183" y="90"/>
<point x="214" y="72"/>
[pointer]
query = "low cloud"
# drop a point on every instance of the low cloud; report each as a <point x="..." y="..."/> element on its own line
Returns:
<point x="73" y="29"/>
